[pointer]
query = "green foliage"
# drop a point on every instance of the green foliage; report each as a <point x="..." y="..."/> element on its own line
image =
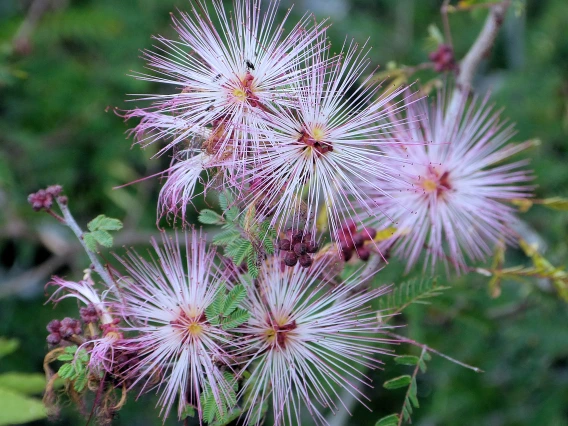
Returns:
<point x="220" y="409"/>
<point x="7" y="346"/>
<point x="391" y="420"/>
<point x="397" y="382"/>
<point x="99" y="233"/>
<point x="409" y="292"/>
<point x="75" y="369"/>
<point x="242" y="237"/>
<point x="408" y="381"/>
<point x="16" y="407"/>
<point x="224" y="309"/>
<point x="25" y="383"/>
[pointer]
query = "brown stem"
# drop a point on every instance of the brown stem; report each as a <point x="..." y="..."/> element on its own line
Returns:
<point x="471" y="61"/>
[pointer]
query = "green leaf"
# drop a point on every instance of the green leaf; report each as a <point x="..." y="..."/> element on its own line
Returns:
<point x="407" y="360"/>
<point x="397" y="382"/>
<point x="209" y="217"/>
<point x="7" y="346"/>
<point x="268" y="246"/>
<point x="102" y="237"/>
<point x="103" y="223"/>
<point x="208" y="407"/>
<point x="242" y="252"/>
<point x="232" y="213"/>
<point x="556" y="203"/>
<point x="240" y="316"/>
<point x="230" y="379"/>
<point x="90" y="241"/>
<point x="226" y="200"/>
<point x="80" y="382"/>
<point x="66" y="371"/>
<point x="19" y="409"/>
<point x="413" y="392"/>
<point x="188" y="411"/>
<point x="409" y="292"/>
<point x="26" y="383"/>
<point x="226" y="237"/>
<point x="391" y="420"/>
<point x="252" y="264"/>
<point x="234" y="298"/>
<point x="267" y="231"/>
<point x="213" y="311"/>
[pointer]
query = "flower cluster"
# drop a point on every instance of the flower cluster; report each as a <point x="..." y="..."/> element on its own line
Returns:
<point x="300" y="141"/>
<point x="267" y="115"/>
<point x="450" y="204"/>
<point x="181" y="333"/>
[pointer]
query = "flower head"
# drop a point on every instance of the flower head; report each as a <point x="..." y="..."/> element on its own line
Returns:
<point x="175" y="348"/>
<point x="101" y="349"/>
<point x="324" y="148"/>
<point x="227" y="76"/>
<point x="451" y="203"/>
<point x="307" y="338"/>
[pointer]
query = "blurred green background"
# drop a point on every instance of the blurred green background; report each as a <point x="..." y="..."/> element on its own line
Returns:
<point x="64" y="66"/>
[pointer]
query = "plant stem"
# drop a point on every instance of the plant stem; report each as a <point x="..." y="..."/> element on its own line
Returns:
<point x="99" y="268"/>
<point x="434" y="351"/>
<point x="471" y="61"/>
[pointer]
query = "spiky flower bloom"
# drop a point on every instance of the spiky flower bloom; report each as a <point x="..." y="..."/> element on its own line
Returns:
<point x="309" y="340"/>
<point x="454" y="207"/>
<point x="175" y="348"/>
<point x="226" y="77"/>
<point x="101" y="349"/>
<point x="325" y="147"/>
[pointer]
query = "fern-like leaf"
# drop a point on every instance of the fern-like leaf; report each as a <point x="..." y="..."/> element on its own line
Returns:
<point x="409" y="292"/>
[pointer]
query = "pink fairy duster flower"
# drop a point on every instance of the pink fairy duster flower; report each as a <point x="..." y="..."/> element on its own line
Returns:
<point x="454" y="207"/>
<point x="175" y="348"/>
<point x="307" y="338"/>
<point x="227" y="76"/>
<point x="101" y="349"/>
<point x="324" y="147"/>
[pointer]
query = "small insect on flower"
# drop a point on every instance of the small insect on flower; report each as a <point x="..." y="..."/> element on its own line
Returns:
<point x="228" y="75"/>
<point x="307" y="338"/>
<point x="176" y="348"/>
<point x="324" y="147"/>
<point x="454" y="208"/>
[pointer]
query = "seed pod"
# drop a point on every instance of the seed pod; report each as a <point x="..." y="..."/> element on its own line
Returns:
<point x="358" y="240"/>
<point x="312" y="247"/>
<point x="297" y="237"/>
<point x="290" y="259"/>
<point x="284" y="244"/>
<point x="300" y="248"/>
<point x="306" y="261"/>
<point x="346" y="254"/>
<point x="363" y="253"/>
<point x="369" y="233"/>
<point x="349" y="226"/>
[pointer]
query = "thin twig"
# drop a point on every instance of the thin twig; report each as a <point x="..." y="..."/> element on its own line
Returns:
<point x="99" y="268"/>
<point x="446" y="22"/>
<point x="434" y="351"/>
<point x="470" y="63"/>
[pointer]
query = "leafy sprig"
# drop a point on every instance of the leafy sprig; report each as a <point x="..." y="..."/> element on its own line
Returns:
<point x="225" y="311"/>
<point x="99" y="233"/>
<point x="75" y="368"/>
<point x="243" y="237"/>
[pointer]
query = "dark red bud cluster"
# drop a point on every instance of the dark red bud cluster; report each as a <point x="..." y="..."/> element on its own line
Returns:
<point x="298" y="248"/>
<point x="443" y="58"/>
<point x="63" y="329"/>
<point x="89" y="314"/>
<point x="43" y="199"/>
<point x="350" y="241"/>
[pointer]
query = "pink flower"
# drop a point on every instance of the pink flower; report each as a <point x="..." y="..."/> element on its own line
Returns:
<point x="450" y="205"/>
<point x="325" y="149"/>
<point x="101" y="349"/>
<point x="307" y="337"/>
<point x="226" y="77"/>
<point x="175" y="348"/>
